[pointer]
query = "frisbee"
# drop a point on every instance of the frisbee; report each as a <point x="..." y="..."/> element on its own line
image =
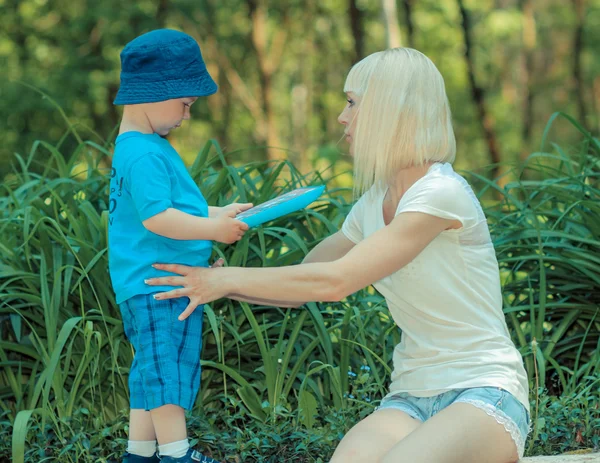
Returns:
<point x="282" y="205"/>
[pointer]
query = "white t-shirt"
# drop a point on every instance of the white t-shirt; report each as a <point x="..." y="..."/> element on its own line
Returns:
<point x="448" y="300"/>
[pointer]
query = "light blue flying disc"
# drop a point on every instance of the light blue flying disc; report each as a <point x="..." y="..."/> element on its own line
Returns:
<point x="285" y="204"/>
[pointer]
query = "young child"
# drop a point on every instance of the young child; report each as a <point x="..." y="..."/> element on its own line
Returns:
<point x="158" y="214"/>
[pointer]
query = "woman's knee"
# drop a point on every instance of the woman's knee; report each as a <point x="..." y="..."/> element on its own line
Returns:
<point x="373" y="437"/>
<point x="354" y="451"/>
<point x="349" y="455"/>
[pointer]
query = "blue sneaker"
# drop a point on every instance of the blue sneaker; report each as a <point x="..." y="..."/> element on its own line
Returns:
<point x="192" y="456"/>
<point x="129" y="458"/>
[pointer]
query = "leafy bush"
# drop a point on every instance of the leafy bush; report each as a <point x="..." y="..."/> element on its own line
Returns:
<point x="276" y="382"/>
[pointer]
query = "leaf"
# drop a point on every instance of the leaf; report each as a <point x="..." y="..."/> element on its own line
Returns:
<point x="20" y="434"/>
<point x="251" y="400"/>
<point x="307" y="408"/>
<point x="15" y="321"/>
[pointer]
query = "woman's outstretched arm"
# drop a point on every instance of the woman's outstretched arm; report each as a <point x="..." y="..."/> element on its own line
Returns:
<point x="379" y="255"/>
<point x="331" y="248"/>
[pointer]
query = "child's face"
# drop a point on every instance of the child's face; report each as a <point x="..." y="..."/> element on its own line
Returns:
<point x="167" y="115"/>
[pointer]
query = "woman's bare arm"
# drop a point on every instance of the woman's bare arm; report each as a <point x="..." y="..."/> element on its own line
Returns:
<point x="379" y="255"/>
<point x="331" y="248"/>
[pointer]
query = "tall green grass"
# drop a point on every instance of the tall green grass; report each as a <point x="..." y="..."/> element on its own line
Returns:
<point x="63" y="355"/>
<point x="63" y="347"/>
<point x="546" y="230"/>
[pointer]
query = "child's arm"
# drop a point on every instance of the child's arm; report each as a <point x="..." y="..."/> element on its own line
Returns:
<point x="175" y="224"/>
<point x="149" y="183"/>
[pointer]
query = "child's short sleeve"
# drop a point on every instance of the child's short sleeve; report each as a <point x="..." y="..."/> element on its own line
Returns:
<point x="443" y="197"/>
<point x="150" y="185"/>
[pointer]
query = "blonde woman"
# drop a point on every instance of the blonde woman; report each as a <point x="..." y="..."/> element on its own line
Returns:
<point x="458" y="392"/>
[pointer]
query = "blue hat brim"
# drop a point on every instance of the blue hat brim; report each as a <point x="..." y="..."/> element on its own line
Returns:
<point x="154" y="92"/>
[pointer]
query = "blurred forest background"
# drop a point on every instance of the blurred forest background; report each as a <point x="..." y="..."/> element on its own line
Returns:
<point x="281" y="65"/>
<point x="270" y="375"/>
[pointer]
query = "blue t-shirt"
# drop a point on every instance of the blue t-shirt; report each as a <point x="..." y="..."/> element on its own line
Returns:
<point x="148" y="177"/>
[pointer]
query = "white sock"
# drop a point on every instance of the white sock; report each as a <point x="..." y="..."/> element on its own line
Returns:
<point x="174" y="449"/>
<point x="142" y="448"/>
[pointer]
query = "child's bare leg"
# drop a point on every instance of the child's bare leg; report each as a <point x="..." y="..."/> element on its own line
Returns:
<point x="170" y="429"/>
<point x="141" y="426"/>
<point x="142" y="439"/>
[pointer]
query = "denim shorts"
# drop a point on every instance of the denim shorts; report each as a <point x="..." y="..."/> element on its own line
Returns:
<point x="166" y="363"/>
<point x="496" y="402"/>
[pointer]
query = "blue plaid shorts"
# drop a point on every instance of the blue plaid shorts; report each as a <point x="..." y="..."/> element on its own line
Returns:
<point x="166" y="364"/>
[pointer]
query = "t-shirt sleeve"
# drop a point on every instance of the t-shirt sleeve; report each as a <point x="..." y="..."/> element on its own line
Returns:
<point x="353" y="225"/>
<point x="442" y="197"/>
<point x="150" y="185"/>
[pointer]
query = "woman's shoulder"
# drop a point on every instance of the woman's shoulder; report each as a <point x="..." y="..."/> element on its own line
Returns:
<point x="440" y="181"/>
<point x="445" y="190"/>
<point x="443" y="175"/>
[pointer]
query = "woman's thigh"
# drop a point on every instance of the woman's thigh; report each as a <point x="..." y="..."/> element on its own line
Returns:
<point x="461" y="433"/>
<point x="372" y="438"/>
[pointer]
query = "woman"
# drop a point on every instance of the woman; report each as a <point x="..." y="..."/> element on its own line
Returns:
<point x="459" y="392"/>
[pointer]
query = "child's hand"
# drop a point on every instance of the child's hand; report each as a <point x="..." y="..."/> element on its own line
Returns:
<point x="237" y="207"/>
<point x="228" y="229"/>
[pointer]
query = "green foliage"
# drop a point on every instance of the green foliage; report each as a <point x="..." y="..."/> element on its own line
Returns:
<point x="62" y="342"/>
<point x="568" y="421"/>
<point x="71" y="51"/>
<point x="276" y="383"/>
<point x="546" y="229"/>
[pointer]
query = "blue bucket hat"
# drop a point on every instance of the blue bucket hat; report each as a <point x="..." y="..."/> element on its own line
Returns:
<point x="161" y="65"/>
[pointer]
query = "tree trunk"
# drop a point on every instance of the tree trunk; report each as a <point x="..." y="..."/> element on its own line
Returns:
<point x="527" y="73"/>
<point x="161" y="13"/>
<point x="113" y="114"/>
<point x="408" y="18"/>
<point x="577" y="68"/>
<point x="222" y="99"/>
<point x="303" y="94"/>
<point x="268" y="60"/>
<point x="478" y="93"/>
<point x="390" y="18"/>
<point x="596" y="101"/>
<point x="225" y="122"/>
<point x="221" y="113"/>
<point x="356" y="16"/>
<point x="18" y="33"/>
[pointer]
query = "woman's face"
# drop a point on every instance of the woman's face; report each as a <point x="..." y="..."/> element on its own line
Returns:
<point x="348" y="118"/>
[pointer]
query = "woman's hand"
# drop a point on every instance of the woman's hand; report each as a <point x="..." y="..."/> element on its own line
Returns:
<point x="201" y="285"/>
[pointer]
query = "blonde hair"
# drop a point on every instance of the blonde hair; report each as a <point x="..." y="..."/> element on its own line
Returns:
<point x="403" y="118"/>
